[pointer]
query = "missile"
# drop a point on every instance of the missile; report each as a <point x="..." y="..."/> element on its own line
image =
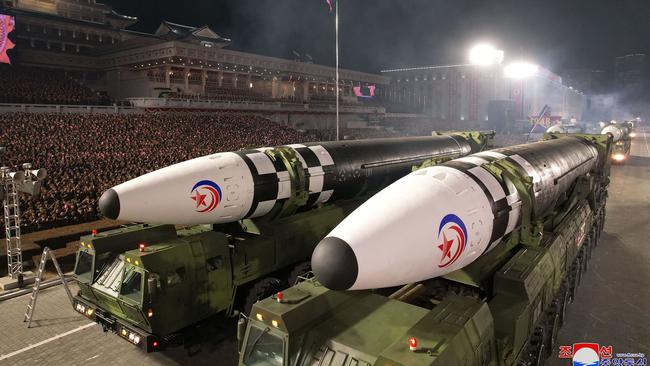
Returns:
<point x="618" y="131"/>
<point x="442" y="218"/>
<point x="275" y="182"/>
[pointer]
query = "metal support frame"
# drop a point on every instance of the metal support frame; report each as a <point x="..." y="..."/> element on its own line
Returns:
<point x="12" y="224"/>
<point x="11" y="185"/>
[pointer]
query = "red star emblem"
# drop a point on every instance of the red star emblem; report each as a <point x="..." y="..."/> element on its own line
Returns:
<point x="200" y="199"/>
<point x="445" y="246"/>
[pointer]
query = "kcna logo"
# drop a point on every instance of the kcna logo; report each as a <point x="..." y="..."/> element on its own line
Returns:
<point x="586" y="354"/>
<point x="207" y="195"/>
<point x="453" y="235"/>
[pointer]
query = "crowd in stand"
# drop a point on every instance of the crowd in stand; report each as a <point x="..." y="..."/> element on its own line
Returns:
<point x="354" y="133"/>
<point x="44" y="86"/>
<point x="87" y="153"/>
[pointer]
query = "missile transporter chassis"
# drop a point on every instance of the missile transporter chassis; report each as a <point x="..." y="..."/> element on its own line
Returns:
<point x="503" y="309"/>
<point x="161" y="294"/>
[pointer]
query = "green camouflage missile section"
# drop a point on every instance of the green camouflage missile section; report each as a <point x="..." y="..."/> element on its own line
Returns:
<point x="503" y="309"/>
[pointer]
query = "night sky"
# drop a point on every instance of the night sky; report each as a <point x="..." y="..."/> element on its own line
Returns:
<point x="381" y="34"/>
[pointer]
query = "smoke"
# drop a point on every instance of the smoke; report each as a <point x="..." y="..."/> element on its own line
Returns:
<point x="621" y="106"/>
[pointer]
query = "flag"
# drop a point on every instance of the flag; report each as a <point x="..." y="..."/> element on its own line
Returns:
<point x="329" y="2"/>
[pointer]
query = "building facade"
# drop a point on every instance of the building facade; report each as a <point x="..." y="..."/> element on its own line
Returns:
<point x="629" y="71"/>
<point x="463" y="92"/>
<point x="91" y="39"/>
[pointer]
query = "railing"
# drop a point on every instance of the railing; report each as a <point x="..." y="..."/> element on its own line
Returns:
<point x="139" y="105"/>
<point x="279" y="106"/>
<point x="55" y="108"/>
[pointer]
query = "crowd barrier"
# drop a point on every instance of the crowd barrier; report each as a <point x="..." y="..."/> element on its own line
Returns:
<point x="54" y="108"/>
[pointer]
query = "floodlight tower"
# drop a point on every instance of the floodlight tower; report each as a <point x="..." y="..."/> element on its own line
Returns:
<point x="28" y="181"/>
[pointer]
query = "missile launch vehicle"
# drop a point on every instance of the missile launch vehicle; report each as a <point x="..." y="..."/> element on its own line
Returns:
<point x="153" y="284"/>
<point x="621" y="133"/>
<point x="488" y="285"/>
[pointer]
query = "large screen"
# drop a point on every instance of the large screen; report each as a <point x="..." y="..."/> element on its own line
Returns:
<point x="6" y="26"/>
<point x="364" y="91"/>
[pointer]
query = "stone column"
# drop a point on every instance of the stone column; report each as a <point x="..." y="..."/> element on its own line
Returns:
<point x="168" y="81"/>
<point x="204" y="80"/>
<point x="186" y="73"/>
<point x="305" y="91"/>
<point x="274" y="88"/>
<point x="235" y="78"/>
<point x="249" y="78"/>
<point x="220" y="78"/>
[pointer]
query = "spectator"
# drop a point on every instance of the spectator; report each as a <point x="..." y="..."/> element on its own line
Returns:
<point x="33" y="85"/>
<point x="85" y="154"/>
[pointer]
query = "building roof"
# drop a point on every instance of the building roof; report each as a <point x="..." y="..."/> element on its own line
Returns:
<point x="173" y="31"/>
<point x="22" y="12"/>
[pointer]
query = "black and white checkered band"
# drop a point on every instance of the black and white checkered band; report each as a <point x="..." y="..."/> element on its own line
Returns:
<point x="272" y="183"/>
<point x="502" y="195"/>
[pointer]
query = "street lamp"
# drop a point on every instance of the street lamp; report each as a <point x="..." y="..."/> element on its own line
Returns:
<point x="484" y="54"/>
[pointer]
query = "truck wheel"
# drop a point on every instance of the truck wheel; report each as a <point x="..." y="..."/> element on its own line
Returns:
<point x="601" y="220"/>
<point x="299" y="270"/>
<point x="553" y="324"/>
<point x="564" y="301"/>
<point x="261" y="290"/>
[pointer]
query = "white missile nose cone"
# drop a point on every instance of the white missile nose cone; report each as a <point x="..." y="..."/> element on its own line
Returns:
<point x="335" y="264"/>
<point x="109" y="204"/>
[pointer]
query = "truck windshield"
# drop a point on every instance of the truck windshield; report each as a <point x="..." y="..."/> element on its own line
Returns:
<point x="84" y="267"/>
<point x="131" y="284"/>
<point x="263" y="348"/>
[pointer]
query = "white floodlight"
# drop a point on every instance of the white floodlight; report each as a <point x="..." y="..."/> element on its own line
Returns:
<point x="485" y="54"/>
<point x="520" y="70"/>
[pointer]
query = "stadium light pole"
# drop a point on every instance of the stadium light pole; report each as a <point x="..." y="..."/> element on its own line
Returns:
<point x="336" y="26"/>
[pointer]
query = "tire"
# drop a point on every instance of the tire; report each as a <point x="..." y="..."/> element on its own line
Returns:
<point x="553" y="324"/>
<point x="297" y="271"/>
<point x="261" y="290"/>
<point x="564" y="302"/>
<point x="574" y="280"/>
<point x="541" y="355"/>
<point x="601" y="220"/>
<point x="536" y="350"/>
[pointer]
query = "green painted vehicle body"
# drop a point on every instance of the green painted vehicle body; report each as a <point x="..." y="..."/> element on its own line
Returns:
<point x="503" y="309"/>
<point x="185" y="276"/>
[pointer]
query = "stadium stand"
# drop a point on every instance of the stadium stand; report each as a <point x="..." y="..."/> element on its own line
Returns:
<point x="87" y="153"/>
<point x="22" y="84"/>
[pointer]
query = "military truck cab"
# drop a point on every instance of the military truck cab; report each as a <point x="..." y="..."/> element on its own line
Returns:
<point x="99" y="250"/>
<point x="314" y="325"/>
<point x="162" y="286"/>
<point x="155" y="288"/>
